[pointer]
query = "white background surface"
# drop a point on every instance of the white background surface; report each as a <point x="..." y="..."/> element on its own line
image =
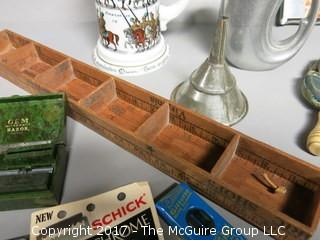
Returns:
<point x="277" y="114"/>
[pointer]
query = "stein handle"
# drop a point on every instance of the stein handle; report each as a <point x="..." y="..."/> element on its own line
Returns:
<point x="287" y="48"/>
<point x="168" y="13"/>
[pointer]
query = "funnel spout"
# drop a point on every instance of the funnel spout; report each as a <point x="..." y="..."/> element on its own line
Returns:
<point x="217" y="54"/>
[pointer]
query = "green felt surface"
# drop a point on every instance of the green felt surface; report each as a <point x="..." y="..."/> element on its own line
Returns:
<point x="32" y="119"/>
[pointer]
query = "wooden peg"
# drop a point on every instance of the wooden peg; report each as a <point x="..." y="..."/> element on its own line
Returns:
<point x="313" y="141"/>
<point x="273" y="186"/>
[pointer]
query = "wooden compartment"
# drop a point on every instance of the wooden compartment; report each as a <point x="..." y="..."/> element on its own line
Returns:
<point x="111" y="106"/>
<point x="226" y="166"/>
<point x="175" y="141"/>
<point x="5" y="43"/>
<point x="10" y="41"/>
<point x="247" y="171"/>
<point x="26" y="60"/>
<point x="64" y="77"/>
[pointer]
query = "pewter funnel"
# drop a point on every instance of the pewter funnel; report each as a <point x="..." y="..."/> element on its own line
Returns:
<point x="212" y="89"/>
<point x="251" y="44"/>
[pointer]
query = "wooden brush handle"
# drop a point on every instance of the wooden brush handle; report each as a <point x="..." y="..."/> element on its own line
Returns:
<point x="313" y="141"/>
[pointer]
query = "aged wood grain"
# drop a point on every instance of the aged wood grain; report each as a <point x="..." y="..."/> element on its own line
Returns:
<point x="219" y="162"/>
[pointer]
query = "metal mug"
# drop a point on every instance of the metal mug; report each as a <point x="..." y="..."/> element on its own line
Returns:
<point x="130" y="40"/>
<point x="251" y="45"/>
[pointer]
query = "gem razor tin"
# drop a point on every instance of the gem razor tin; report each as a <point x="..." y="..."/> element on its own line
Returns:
<point x="32" y="150"/>
<point x="190" y="217"/>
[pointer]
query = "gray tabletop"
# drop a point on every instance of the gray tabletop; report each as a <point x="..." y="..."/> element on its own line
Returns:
<point x="277" y="114"/>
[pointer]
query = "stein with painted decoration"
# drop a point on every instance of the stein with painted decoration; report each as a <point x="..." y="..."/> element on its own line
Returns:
<point x="130" y="40"/>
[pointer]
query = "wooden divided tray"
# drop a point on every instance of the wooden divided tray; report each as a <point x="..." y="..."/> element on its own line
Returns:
<point x="233" y="170"/>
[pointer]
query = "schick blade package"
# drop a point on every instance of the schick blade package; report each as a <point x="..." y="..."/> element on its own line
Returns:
<point x="122" y="214"/>
<point x="192" y="218"/>
<point x="32" y="151"/>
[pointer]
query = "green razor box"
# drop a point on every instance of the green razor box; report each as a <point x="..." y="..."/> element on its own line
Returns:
<point x="33" y="156"/>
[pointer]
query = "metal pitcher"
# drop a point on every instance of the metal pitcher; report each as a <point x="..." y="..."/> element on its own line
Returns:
<point x="250" y="44"/>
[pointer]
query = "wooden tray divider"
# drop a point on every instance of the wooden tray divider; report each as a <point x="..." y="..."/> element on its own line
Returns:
<point x="21" y="58"/>
<point x="10" y="41"/>
<point x="101" y="97"/>
<point x="26" y="60"/>
<point x="224" y="165"/>
<point x="226" y="158"/>
<point x="152" y="127"/>
<point x="16" y="40"/>
<point x="5" y="43"/>
<point x="79" y="86"/>
<point x="64" y="77"/>
<point x="56" y="77"/>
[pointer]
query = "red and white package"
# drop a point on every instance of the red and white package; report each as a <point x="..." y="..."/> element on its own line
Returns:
<point x="127" y="213"/>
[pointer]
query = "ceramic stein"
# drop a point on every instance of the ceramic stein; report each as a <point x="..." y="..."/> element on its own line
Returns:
<point x="130" y="40"/>
<point x="250" y="43"/>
